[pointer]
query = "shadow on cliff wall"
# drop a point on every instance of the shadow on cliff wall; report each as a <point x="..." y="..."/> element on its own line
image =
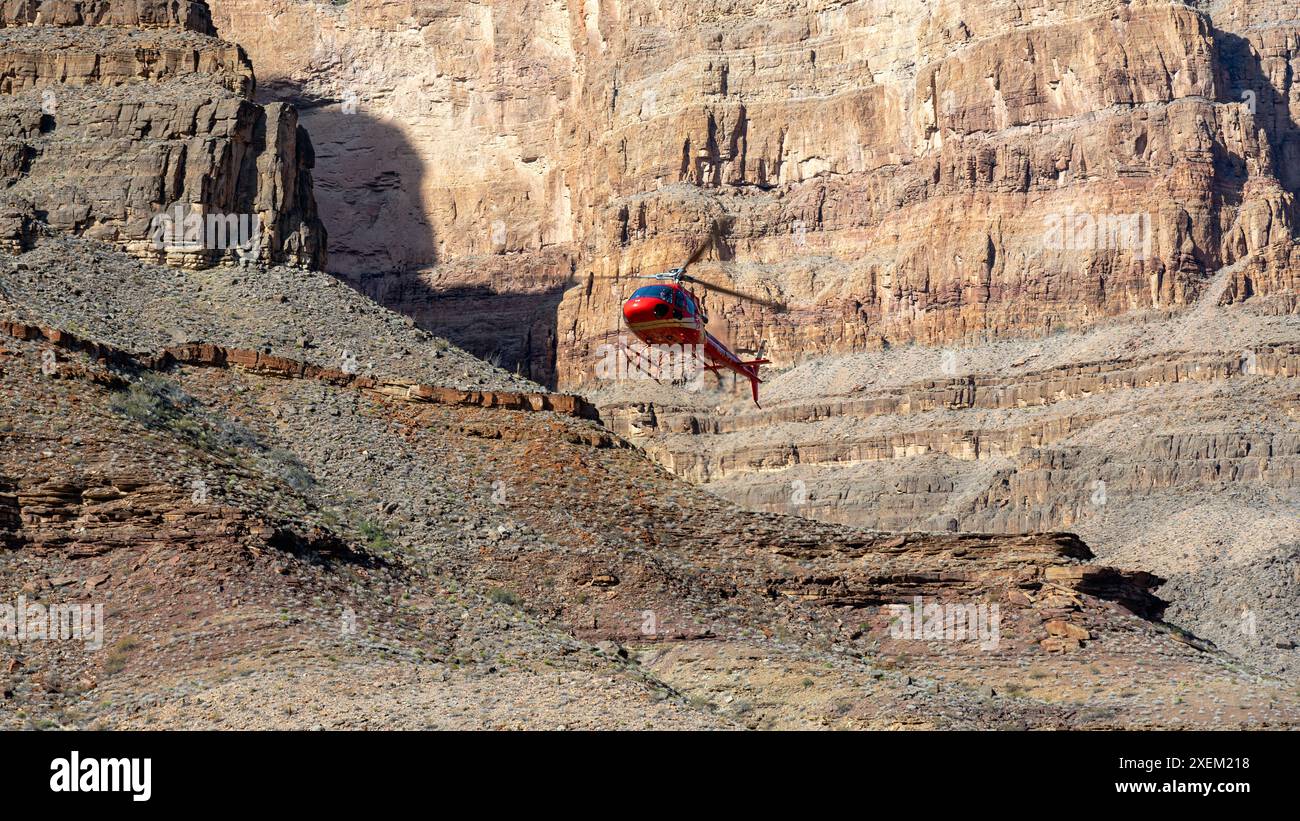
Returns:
<point x="368" y="179"/>
<point x="1246" y="77"/>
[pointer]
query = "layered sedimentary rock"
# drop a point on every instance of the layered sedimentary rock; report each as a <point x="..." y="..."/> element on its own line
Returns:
<point x="1172" y="445"/>
<point x="45" y="58"/>
<point x="133" y="124"/>
<point x="221" y="536"/>
<point x="188" y="14"/>
<point x="219" y="356"/>
<point x="898" y="172"/>
<point x="948" y="174"/>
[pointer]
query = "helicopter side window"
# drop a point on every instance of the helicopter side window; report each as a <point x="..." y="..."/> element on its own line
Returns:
<point x="685" y="303"/>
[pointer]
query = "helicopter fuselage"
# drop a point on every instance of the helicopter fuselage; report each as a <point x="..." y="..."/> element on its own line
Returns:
<point x="668" y="314"/>
<point x="665" y="315"/>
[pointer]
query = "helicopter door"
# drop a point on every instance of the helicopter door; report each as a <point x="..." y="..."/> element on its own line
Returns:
<point x="692" y="310"/>
<point x="680" y="303"/>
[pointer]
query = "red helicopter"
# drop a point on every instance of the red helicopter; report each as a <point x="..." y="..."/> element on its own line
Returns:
<point x="669" y="314"/>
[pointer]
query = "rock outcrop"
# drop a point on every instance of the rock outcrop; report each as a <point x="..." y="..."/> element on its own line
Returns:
<point x="1169" y="445"/>
<point x="192" y="15"/>
<point x="133" y="124"/>
<point x="218" y="356"/>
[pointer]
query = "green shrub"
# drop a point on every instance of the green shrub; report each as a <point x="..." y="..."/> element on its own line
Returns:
<point x="152" y="401"/>
<point x="376" y="538"/>
<point x="119" y="653"/>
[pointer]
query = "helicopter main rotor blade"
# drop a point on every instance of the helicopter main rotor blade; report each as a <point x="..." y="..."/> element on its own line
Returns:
<point x="766" y="303"/>
<point x="714" y="228"/>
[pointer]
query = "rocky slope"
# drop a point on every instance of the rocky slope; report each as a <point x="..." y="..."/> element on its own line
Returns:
<point x="279" y="311"/>
<point x="1171" y="445"/>
<point x="236" y="595"/>
<point x="274" y="549"/>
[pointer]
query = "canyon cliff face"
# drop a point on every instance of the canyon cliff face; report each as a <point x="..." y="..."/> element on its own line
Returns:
<point x="263" y="443"/>
<point x="114" y="114"/>
<point x="920" y="172"/>
<point x="1037" y="254"/>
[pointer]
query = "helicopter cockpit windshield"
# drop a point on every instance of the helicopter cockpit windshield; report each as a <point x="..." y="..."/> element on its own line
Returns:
<point x="654" y="292"/>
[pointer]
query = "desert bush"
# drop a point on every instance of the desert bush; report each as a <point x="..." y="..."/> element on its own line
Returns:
<point x="152" y="401"/>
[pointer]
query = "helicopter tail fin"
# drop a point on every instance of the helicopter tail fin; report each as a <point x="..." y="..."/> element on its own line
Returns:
<point x="752" y="367"/>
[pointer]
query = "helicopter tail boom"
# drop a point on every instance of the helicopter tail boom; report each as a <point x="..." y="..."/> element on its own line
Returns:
<point x="721" y="357"/>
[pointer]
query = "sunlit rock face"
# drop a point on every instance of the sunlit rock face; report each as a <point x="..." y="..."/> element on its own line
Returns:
<point x="132" y="123"/>
<point x="926" y="171"/>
